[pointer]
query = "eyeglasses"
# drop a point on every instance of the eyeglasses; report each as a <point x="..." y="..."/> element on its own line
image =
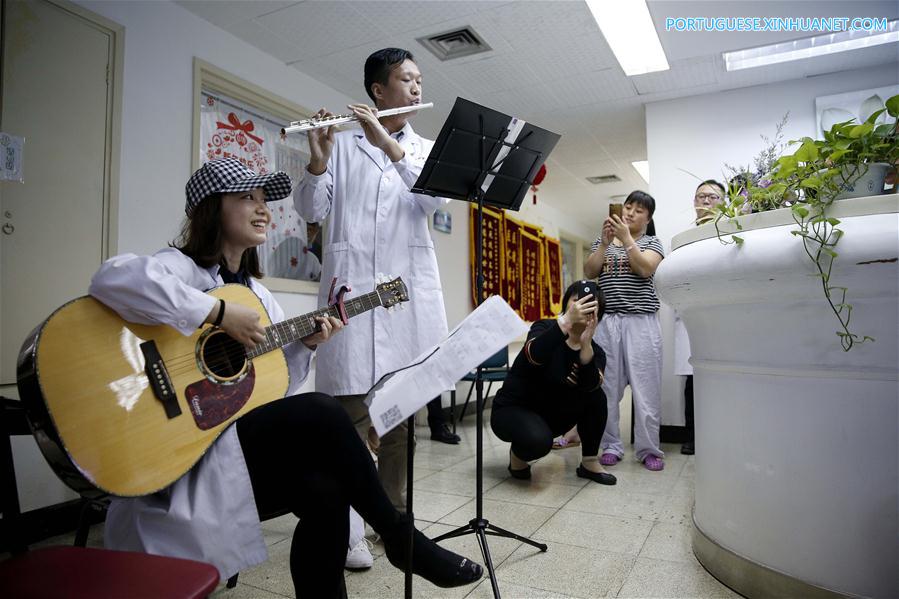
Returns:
<point x="712" y="197"/>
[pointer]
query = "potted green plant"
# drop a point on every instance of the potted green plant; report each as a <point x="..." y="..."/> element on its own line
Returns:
<point x="852" y="160"/>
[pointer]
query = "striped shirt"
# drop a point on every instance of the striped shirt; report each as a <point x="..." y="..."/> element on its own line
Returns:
<point x="627" y="292"/>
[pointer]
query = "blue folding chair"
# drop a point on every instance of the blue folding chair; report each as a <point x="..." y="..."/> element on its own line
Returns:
<point x="493" y="369"/>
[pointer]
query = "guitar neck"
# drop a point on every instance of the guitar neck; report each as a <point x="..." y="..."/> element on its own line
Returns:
<point x="294" y="329"/>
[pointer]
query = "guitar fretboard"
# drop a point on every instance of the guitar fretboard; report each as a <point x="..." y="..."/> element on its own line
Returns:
<point x="294" y="329"/>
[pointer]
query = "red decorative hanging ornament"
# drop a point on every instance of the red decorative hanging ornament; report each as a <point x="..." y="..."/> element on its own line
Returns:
<point x="538" y="179"/>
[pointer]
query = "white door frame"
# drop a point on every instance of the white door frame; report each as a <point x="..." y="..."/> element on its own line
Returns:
<point x="115" y="76"/>
<point x="113" y="142"/>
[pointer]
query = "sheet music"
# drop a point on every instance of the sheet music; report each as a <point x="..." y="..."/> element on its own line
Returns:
<point x="512" y="133"/>
<point x="483" y="333"/>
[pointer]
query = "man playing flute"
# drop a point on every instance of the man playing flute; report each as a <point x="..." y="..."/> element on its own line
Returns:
<point x="360" y="180"/>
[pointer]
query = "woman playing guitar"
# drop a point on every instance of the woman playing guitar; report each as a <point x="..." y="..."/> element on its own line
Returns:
<point x="268" y="461"/>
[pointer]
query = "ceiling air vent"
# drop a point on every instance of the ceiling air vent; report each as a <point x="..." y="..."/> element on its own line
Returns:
<point x="454" y="44"/>
<point x="603" y="179"/>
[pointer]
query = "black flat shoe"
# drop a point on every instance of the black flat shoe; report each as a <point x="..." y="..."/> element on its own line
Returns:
<point x="445" y="435"/>
<point x="522" y="474"/>
<point x="603" y="478"/>
<point x="432" y="562"/>
<point x="688" y="448"/>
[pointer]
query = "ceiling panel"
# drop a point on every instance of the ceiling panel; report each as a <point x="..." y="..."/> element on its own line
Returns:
<point x="593" y="87"/>
<point x="593" y="168"/>
<point x="321" y="28"/>
<point x="268" y="41"/>
<point x="519" y="22"/>
<point x="520" y="101"/>
<point x="489" y="73"/>
<point x="224" y="13"/>
<point x="623" y="150"/>
<point x="567" y="56"/>
<point x="682" y="75"/>
<point x="434" y="15"/>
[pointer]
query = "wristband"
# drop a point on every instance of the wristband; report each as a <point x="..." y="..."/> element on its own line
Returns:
<point x="218" y="319"/>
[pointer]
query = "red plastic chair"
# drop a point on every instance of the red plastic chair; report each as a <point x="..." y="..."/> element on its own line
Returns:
<point x="76" y="572"/>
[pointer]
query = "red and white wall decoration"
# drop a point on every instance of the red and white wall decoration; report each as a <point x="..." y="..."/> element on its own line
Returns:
<point x="228" y="130"/>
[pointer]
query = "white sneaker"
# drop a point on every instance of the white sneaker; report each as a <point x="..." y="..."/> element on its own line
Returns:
<point x="359" y="557"/>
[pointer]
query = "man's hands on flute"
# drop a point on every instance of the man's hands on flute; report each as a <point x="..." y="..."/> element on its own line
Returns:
<point x="321" y="142"/>
<point x="375" y="132"/>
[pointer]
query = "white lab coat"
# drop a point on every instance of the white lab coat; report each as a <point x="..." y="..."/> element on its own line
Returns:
<point x="376" y="226"/>
<point x="682" y="366"/>
<point x="209" y="514"/>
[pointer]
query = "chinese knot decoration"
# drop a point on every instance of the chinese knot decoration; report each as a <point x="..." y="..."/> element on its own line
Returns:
<point x="538" y="179"/>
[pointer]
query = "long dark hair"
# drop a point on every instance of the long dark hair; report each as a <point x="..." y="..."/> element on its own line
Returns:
<point x="201" y="238"/>
<point x="641" y="198"/>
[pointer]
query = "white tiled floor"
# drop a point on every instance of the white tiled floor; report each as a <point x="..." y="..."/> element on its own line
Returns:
<point x="629" y="540"/>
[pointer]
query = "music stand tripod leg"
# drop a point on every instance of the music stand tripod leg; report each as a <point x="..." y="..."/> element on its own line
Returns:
<point x="410" y="456"/>
<point x="492" y="529"/>
<point x="488" y="561"/>
<point x="479" y="525"/>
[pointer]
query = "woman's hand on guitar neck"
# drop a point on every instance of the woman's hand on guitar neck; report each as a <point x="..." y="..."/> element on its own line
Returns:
<point x="240" y="322"/>
<point x="327" y="328"/>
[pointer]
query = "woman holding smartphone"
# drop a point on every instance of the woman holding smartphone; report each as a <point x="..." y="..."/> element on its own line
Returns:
<point x="554" y="384"/>
<point x="625" y="258"/>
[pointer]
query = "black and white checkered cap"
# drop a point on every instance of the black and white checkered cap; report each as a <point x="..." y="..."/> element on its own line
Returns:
<point x="228" y="175"/>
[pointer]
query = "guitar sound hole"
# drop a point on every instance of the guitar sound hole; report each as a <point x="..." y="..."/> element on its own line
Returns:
<point x="223" y="356"/>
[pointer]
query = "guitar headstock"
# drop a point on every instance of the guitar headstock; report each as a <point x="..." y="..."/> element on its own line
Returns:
<point x="392" y="293"/>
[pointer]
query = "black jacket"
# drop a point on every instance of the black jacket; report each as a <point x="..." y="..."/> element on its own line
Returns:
<point x="547" y="369"/>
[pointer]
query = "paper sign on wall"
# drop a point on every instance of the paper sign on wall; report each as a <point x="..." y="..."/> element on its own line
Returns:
<point x="12" y="158"/>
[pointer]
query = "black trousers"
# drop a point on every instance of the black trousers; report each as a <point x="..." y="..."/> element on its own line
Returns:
<point x="304" y="456"/>
<point x="436" y="417"/>
<point x="688" y="408"/>
<point x="531" y="426"/>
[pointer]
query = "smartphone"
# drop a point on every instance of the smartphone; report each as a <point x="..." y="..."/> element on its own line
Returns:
<point x="586" y="288"/>
<point x="616" y="210"/>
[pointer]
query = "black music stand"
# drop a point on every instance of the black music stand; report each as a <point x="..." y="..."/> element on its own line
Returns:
<point x="484" y="156"/>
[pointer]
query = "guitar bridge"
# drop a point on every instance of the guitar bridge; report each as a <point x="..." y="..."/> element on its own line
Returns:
<point x="159" y="379"/>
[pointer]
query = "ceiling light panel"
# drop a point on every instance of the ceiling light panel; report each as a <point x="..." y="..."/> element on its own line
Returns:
<point x="810" y="47"/>
<point x="628" y="28"/>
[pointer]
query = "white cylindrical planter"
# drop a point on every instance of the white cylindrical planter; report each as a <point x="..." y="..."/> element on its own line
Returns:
<point x="797" y="461"/>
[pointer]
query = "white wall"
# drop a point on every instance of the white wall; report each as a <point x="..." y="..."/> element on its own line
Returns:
<point x="702" y="133"/>
<point x="161" y="40"/>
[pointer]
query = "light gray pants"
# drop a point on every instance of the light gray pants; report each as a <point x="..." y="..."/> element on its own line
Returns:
<point x="392" y="460"/>
<point x="633" y="346"/>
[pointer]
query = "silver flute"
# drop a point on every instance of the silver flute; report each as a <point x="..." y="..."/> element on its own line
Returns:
<point x="327" y="121"/>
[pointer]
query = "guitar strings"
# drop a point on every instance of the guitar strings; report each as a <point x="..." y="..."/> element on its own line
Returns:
<point x="234" y="352"/>
<point x="186" y="363"/>
<point x="231" y="352"/>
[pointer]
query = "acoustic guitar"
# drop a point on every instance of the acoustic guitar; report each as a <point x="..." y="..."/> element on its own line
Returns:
<point x="126" y="409"/>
